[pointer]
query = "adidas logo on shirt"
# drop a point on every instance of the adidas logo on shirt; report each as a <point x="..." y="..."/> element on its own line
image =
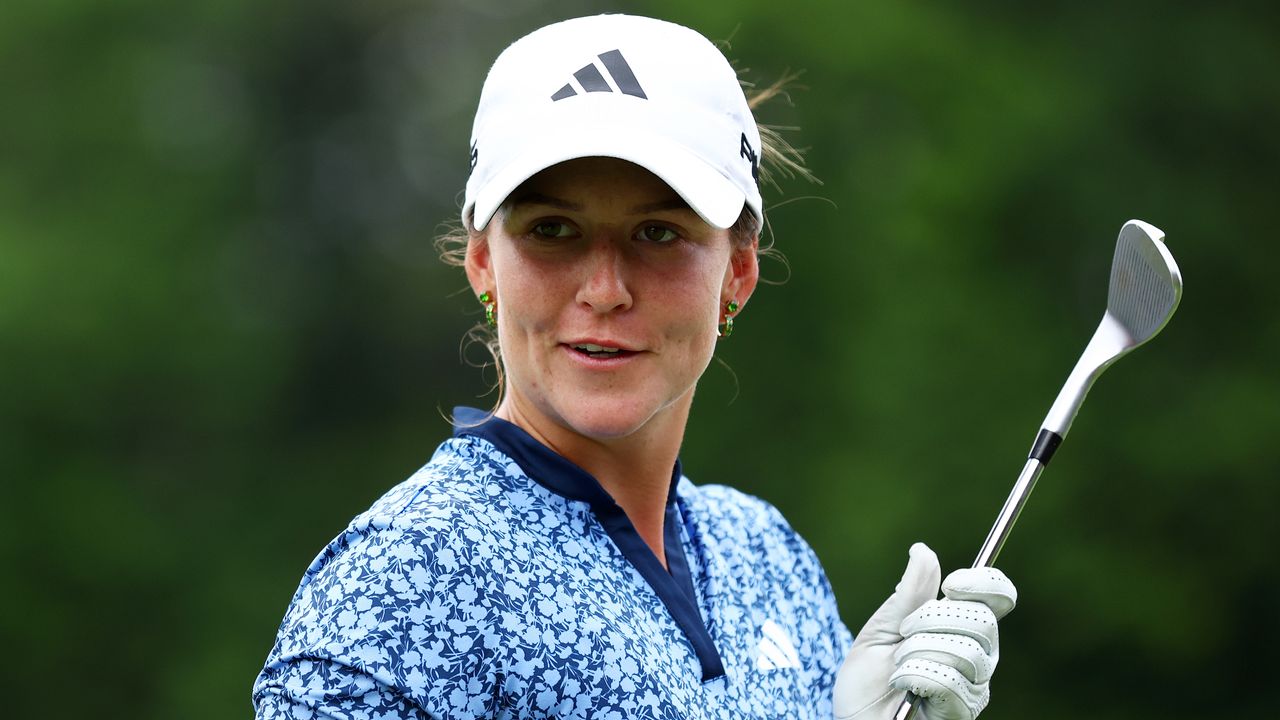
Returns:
<point x="591" y="79"/>
<point x="775" y="651"/>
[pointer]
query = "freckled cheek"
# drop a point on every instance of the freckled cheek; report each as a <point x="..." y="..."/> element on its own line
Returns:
<point x="693" y="321"/>
<point x="531" y="299"/>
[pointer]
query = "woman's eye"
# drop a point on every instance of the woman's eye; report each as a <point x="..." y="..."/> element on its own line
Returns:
<point x="552" y="229"/>
<point x="658" y="234"/>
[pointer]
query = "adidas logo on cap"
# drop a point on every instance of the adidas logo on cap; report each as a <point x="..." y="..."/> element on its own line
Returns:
<point x="591" y="80"/>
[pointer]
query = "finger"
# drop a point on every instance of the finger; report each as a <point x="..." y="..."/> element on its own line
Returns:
<point x="962" y="653"/>
<point x="919" y="584"/>
<point x="988" y="586"/>
<point x="959" y="617"/>
<point x="948" y="695"/>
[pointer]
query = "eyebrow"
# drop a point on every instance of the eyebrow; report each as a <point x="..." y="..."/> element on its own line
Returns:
<point x="675" y="203"/>
<point x="537" y="198"/>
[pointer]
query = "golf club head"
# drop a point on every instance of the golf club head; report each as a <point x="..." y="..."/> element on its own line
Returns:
<point x="1146" y="285"/>
<point x="1145" y="289"/>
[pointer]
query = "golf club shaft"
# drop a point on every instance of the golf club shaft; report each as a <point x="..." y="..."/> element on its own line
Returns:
<point x="1009" y="513"/>
<point x="995" y="539"/>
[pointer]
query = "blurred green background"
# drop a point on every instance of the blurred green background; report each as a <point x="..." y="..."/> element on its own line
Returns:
<point x="224" y="331"/>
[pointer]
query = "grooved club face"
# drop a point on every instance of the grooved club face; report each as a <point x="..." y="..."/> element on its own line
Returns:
<point x="1146" y="285"/>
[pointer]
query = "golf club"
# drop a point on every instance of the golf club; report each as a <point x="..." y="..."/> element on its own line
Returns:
<point x="1145" y="289"/>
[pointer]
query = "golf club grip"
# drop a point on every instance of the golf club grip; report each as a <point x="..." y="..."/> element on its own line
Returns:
<point x="907" y="709"/>
<point x="995" y="540"/>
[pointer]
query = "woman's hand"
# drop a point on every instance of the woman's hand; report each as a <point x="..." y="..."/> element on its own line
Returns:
<point x="943" y="651"/>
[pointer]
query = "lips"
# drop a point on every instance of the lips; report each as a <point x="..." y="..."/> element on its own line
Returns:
<point x="599" y="349"/>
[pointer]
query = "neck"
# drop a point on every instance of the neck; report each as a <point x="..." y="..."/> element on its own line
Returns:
<point x="634" y="469"/>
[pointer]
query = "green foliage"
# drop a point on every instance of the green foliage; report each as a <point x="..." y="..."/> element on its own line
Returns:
<point x="223" y="330"/>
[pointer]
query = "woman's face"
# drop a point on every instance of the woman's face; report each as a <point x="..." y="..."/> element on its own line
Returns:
<point x="609" y="289"/>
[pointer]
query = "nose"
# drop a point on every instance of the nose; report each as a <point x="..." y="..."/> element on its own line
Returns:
<point x="604" y="286"/>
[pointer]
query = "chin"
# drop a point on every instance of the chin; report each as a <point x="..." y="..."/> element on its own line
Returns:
<point x="606" y="421"/>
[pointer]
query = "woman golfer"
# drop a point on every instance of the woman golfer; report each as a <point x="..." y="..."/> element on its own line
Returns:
<point x="551" y="560"/>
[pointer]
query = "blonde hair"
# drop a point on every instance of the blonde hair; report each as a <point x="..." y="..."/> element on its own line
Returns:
<point x="778" y="158"/>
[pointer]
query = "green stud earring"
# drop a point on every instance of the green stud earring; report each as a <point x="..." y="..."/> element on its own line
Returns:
<point x="487" y="300"/>
<point x="730" y="308"/>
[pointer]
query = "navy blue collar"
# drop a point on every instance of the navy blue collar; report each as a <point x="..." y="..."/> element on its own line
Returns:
<point x="544" y="465"/>
<point x="672" y="584"/>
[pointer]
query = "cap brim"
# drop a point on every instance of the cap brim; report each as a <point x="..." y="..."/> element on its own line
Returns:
<point x="709" y="193"/>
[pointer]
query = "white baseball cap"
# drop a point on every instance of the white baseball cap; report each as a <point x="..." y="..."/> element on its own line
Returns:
<point x="647" y="91"/>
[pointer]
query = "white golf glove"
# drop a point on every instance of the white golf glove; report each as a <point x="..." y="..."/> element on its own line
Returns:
<point x="943" y="651"/>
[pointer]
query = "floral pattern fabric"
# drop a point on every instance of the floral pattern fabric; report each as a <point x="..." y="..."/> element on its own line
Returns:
<point x="471" y="591"/>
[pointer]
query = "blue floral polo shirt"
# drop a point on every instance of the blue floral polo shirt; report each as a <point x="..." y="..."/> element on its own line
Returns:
<point x="501" y="581"/>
